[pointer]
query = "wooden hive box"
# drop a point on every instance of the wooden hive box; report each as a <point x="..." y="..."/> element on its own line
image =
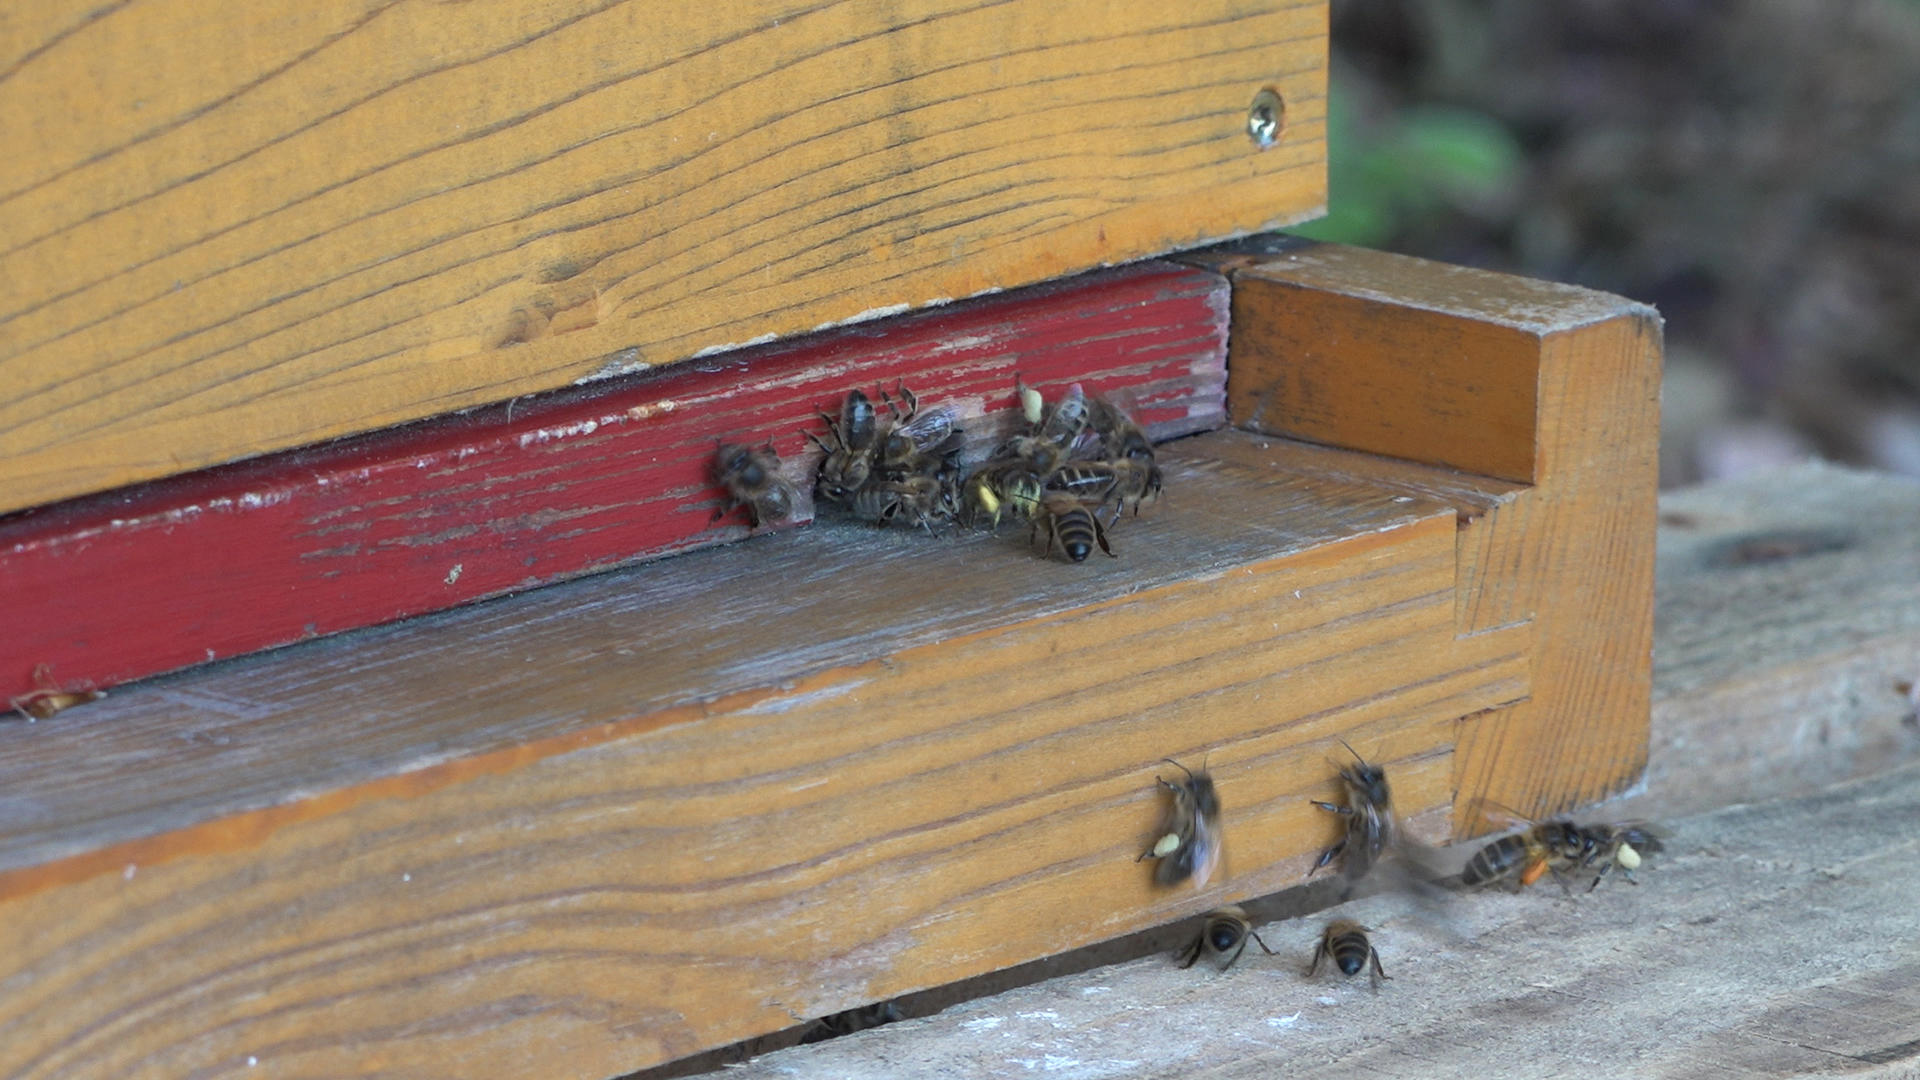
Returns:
<point x="585" y="828"/>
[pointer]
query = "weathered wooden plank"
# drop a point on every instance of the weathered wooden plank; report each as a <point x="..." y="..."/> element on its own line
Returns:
<point x="226" y="231"/>
<point x="621" y="819"/>
<point x="1788" y="633"/>
<point x="1760" y="643"/>
<point x="1549" y="385"/>
<point x="1707" y="969"/>
<point x="124" y="585"/>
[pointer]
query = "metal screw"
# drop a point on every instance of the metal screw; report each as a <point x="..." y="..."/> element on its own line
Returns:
<point x="1263" y="118"/>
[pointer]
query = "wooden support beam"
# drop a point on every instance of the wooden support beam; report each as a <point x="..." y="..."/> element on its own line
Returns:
<point x="128" y="584"/>
<point x="229" y="229"/>
<point x="612" y="822"/>
<point x="1548" y="385"/>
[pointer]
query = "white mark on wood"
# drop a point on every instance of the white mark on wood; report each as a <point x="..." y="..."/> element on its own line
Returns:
<point x="453" y="575"/>
<point x="1403" y="498"/>
<point x="869" y="315"/>
<point x="1282" y="1021"/>
<point x="656" y="408"/>
<point x="254" y="500"/>
<point x="564" y="431"/>
<point x="1056" y="1062"/>
<point x="252" y="1061"/>
<point x="127" y="874"/>
<point x="962" y="341"/>
<point x="1089" y="991"/>
<point x="788" y="704"/>
<point x="715" y="350"/>
<point x="983" y="1023"/>
<point x="406" y="877"/>
<point x="624" y="362"/>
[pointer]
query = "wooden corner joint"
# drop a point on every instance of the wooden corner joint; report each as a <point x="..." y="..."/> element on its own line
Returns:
<point x="1549" y="388"/>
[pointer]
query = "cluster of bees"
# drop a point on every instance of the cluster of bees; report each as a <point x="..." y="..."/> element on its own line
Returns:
<point x="1188" y="849"/>
<point x="1076" y="459"/>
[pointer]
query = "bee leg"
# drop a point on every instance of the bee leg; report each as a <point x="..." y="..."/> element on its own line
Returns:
<point x="1319" y="957"/>
<point x="1344" y="811"/>
<point x="1379" y="973"/>
<point x="1236" y="955"/>
<point x="1192" y="953"/>
<point x="1328" y="856"/>
<point x="1256" y="937"/>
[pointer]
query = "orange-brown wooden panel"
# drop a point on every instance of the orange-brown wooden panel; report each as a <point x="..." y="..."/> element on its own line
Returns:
<point x="702" y="815"/>
<point x="1551" y="385"/>
<point x="228" y="229"/>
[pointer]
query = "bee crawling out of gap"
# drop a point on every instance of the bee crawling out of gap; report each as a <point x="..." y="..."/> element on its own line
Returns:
<point x="850" y="1021"/>
<point x="1224" y="933"/>
<point x="1345" y="943"/>
<point x="49" y="698"/>
<point x="1370" y="826"/>
<point x="751" y="477"/>
<point x="1189" y="843"/>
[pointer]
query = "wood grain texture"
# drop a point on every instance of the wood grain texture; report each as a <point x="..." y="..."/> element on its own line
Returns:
<point x="1550" y="385"/>
<point x="227" y="231"/>
<point x="1788" y="618"/>
<point x="570" y="863"/>
<point x="125" y="585"/>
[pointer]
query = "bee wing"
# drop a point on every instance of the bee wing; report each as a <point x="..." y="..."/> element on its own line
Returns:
<point x="1200" y="855"/>
<point x="1501" y="815"/>
<point x="930" y="427"/>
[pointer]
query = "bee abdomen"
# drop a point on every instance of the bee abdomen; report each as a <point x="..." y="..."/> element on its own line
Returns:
<point x="1495" y="861"/>
<point x="1075" y="529"/>
<point x="1350" y="951"/>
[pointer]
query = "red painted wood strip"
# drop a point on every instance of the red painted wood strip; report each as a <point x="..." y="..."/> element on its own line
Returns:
<point x="123" y="585"/>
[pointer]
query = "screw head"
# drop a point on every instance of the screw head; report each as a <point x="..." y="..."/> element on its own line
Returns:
<point x="1264" y="117"/>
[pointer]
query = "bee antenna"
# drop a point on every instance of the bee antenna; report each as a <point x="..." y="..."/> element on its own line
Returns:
<point x="1351" y="750"/>
<point x="1181" y="767"/>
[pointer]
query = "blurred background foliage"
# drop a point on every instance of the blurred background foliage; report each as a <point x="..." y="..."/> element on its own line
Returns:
<point x="1751" y="167"/>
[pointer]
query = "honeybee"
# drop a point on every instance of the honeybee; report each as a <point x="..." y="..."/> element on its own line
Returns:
<point x="1052" y="433"/>
<point x="1189" y="843"/>
<point x="1224" y="933"/>
<point x="1007" y="486"/>
<point x="919" y="442"/>
<point x="1070" y="526"/>
<point x="1122" y="483"/>
<point x="1558" y="846"/>
<point x="919" y="500"/>
<point x="849" y="461"/>
<point x="1120" y="438"/>
<point x="1345" y="943"/>
<point x="751" y="478"/>
<point x="48" y="699"/>
<point x="1370" y="823"/>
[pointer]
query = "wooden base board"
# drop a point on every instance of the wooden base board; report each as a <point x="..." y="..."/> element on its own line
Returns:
<point x="616" y="821"/>
<point x="1548" y="386"/>
<point x="423" y="518"/>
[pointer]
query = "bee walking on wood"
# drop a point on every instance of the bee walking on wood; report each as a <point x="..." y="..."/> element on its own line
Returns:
<point x="1189" y="843"/>
<point x="49" y="699"/>
<point x="1071" y="527"/>
<point x="849" y="461"/>
<point x="1224" y="933"/>
<point x="1560" y="847"/>
<point x="751" y="477"/>
<point x="1368" y="817"/>
<point x="1345" y="943"/>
